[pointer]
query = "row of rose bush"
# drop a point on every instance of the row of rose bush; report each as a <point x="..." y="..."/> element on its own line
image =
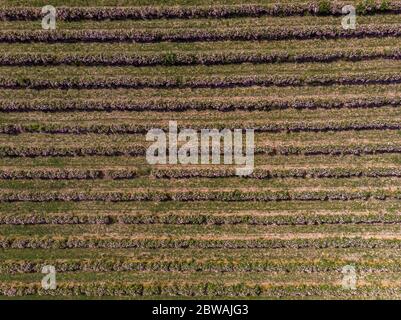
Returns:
<point x="67" y="174"/>
<point x="196" y="35"/>
<point x="183" y="58"/>
<point x="198" y="82"/>
<point x="185" y="173"/>
<point x="151" y="104"/>
<point x="122" y="265"/>
<point x="322" y="7"/>
<point x="140" y="150"/>
<point x="133" y="150"/>
<point x="125" y="128"/>
<point x="259" y="173"/>
<point x="201" y="219"/>
<point x="200" y="289"/>
<point x="60" y="242"/>
<point x="198" y="196"/>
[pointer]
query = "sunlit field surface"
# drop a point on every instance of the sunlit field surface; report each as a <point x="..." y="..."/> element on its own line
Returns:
<point x="78" y="194"/>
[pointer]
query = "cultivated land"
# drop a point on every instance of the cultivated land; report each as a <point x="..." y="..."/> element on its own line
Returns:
<point x="76" y="190"/>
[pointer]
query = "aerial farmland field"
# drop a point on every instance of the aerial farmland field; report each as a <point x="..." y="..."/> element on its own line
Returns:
<point x="317" y="217"/>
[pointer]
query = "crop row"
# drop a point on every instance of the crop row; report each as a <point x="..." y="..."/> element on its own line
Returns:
<point x="191" y="12"/>
<point x="65" y="218"/>
<point x="197" y="35"/>
<point x="182" y="58"/>
<point x="67" y="174"/>
<point x="132" y="289"/>
<point x="198" y="82"/>
<point x="56" y="105"/>
<point x="144" y="128"/>
<point x="140" y="150"/>
<point x="260" y="173"/>
<point x="200" y="219"/>
<point x="200" y="289"/>
<point x="328" y="150"/>
<point x="60" y="242"/>
<point x="198" y="196"/>
<point x="122" y="265"/>
<point x="137" y="150"/>
<point x="186" y="173"/>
